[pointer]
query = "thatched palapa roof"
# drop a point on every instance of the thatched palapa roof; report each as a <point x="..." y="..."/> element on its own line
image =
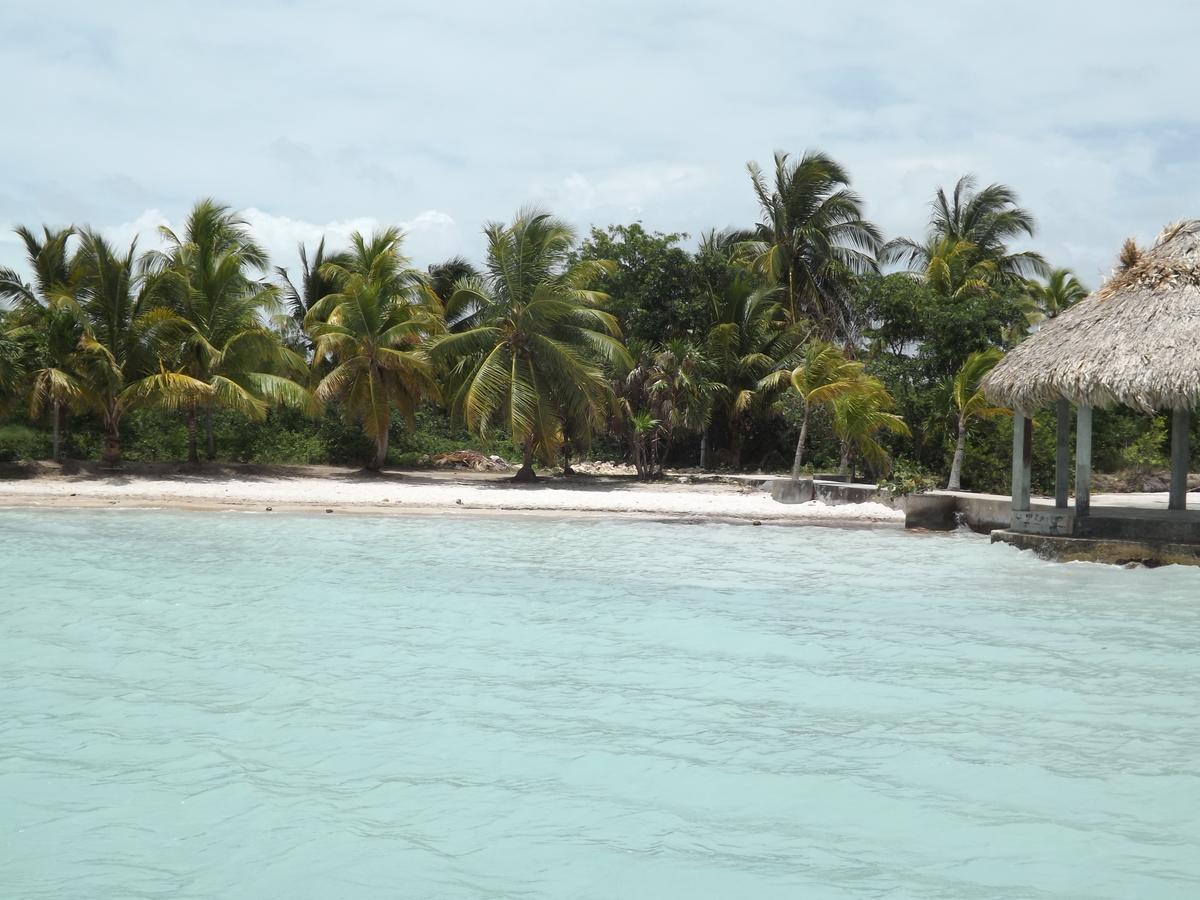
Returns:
<point x="1135" y="342"/>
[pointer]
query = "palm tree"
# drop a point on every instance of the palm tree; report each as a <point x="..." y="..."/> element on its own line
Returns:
<point x="48" y="307"/>
<point x="13" y="358"/>
<point x="444" y="276"/>
<point x="670" y="385"/>
<point x="987" y="219"/>
<point x="120" y="359"/>
<point x="969" y="403"/>
<point x="299" y="299"/>
<point x="822" y="376"/>
<point x="859" y="415"/>
<point x="372" y="328"/>
<point x="208" y="275"/>
<point x="813" y="240"/>
<point x="1061" y="291"/>
<point x="749" y="339"/>
<point x="533" y="339"/>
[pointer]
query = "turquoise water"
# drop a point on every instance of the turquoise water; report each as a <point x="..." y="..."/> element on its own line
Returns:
<point x="228" y="705"/>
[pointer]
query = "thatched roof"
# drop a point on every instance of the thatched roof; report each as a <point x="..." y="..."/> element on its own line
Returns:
<point x="1135" y="342"/>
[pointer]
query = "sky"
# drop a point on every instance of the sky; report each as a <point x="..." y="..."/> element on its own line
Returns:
<point x="323" y="118"/>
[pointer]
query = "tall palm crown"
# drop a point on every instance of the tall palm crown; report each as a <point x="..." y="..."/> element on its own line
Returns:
<point x="371" y="328"/>
<point x="813" y="239"/>
<point x="210" y="281"/>
<point x="533" y="339"/>
<point x="987" y="219"/>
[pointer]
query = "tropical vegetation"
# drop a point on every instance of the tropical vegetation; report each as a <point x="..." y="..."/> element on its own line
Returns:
<point x="800" y="341"/>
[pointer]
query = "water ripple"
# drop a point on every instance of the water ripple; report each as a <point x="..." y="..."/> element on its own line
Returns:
<point x="207" y="706"/>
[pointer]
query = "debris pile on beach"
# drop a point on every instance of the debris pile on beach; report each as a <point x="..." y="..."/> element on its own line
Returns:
<point x="469" y="459"/>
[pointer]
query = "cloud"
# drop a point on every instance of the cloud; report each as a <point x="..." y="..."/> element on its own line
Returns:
<point x="626" y="191"/>
<point x="1088" y="113"/>
<point x="280" y="235"/>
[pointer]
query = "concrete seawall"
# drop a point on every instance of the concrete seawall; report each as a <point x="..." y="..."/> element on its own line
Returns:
<point x="933" y="510"/>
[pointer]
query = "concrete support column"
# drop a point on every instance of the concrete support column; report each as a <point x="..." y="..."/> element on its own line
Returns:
<point x="1062" y="457"/>
<point x="1083" y="461"/>
<point x="1022" y="467"/>
<point x="1181" y="456"/>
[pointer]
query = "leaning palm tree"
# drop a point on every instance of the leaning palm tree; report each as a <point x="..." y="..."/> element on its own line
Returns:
<point x="813" y="240"/>
<point x="534" y="339"/>
<point x="987" y="219"/>
<point x="968" y="403"/>
<point x="859" y="415"/>
<point x="48" y="307"/>
<point x="208" y="273"/>
<point x="371" y="329"/>
<point x="823" y="375"/>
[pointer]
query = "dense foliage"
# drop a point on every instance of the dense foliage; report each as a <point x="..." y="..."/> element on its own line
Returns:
<point x="781" y="345"/>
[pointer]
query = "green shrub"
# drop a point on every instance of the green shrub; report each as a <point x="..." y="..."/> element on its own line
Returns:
<point x="287" y="447"/>
<point x="908" y="477"/>
<point x="18" y="442"/>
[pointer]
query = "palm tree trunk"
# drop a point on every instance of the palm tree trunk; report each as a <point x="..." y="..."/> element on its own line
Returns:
<point x="193" y="456"/>
<point x="56" y="440"/>
<point x="381" y="449"/>
<point x="112" y="440"/>
<point x="800" y="445"/>
<point x="526" y="473"/>
<point x="704" y="447"/>
<point x="844" y="464"/>
<point x="960" y="450"/>
<point x="208" y="426"/>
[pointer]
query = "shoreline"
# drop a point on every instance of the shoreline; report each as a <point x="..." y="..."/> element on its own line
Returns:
<point x="324" y="491"/>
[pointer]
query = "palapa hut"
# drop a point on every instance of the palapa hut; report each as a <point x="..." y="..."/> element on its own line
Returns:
<point x="1135" y="342"/>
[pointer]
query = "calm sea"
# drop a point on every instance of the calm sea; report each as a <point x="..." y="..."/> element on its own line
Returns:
<point x="230" y="705"/>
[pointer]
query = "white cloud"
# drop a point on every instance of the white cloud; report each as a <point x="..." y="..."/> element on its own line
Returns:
<point x="1086" y="110"/>
<point x="631" y="190"/>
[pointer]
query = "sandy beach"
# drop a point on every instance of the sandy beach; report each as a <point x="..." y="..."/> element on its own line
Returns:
<point x="320" y="488"/>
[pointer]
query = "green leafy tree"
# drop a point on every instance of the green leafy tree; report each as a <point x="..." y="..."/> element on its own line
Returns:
<point x="372" y="329"/>
<point x="813" y="240"/>
<point x="969" y="404"/>
<point x="534" y="341"/>
<point x="652" y="281"/>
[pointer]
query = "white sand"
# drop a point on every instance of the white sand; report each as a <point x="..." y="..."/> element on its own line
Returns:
<point x="398" y="493"/>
